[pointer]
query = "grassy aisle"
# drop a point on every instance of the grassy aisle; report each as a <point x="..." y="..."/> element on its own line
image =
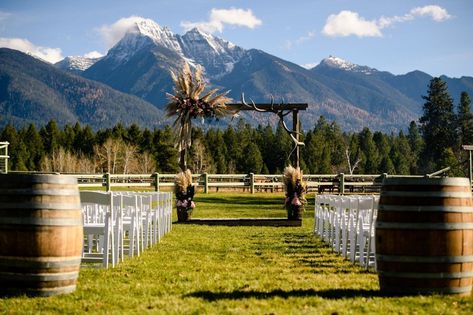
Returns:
<point x="235" y="270"/>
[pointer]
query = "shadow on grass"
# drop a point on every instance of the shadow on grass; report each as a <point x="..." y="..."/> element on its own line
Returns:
<point x="334" y="294"/>
<point x="250" y="200"/>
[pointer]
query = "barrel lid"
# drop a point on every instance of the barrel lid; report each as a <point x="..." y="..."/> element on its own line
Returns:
<point x="39" y="178"/>
<point x="424" y="181"/>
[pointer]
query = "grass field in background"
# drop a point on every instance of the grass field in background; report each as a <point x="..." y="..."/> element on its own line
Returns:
<point x="235" y="270"/>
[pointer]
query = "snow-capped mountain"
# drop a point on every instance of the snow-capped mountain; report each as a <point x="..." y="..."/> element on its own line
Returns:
<point x="144" y="33"/>
<point x="341" y="64"/>
<point x="216" y="55"/>
<point x="142" y="61"/>
<point x="76" y="64"/>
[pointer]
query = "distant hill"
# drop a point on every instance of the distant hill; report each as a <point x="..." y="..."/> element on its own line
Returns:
<point x="140" y="64"/>
<point x="32" y="91"/>
<point x="356" y="96"/>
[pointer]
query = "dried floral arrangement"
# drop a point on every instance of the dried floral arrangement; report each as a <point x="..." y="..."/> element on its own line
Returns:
<point x="295" y="192"/>
<point x="187" y="103"/>
<point x="184" y="191"/>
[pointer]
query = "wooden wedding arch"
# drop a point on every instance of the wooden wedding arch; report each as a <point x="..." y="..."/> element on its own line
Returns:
<point x="281" y="110"/>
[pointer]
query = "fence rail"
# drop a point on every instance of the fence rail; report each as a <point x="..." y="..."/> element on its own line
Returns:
<point x="341" y="184"/>
<point x="4" y="157"/>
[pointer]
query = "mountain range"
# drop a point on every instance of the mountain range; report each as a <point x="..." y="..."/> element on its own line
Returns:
<point x="139" y="67"/>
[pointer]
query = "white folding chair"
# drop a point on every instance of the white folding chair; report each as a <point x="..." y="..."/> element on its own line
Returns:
<point x="132" y="223"/>
<point x="98" y="216"/>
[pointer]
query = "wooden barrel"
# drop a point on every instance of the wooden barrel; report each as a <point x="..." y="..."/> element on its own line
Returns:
<point x="41" y="234"/>
<point x="424" y="236"/>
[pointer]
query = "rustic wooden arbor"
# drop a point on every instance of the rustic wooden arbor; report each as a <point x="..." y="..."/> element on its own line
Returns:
<point x="281" y="110"/>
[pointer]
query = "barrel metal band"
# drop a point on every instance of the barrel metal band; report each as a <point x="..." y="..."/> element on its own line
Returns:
<point x="441" y="290"/>
<point x="424" y="208"/>
<point x="41" y="221"/>
<point x="424" y="226"/>
<point x="440" y="194"/>
<point x="424" y="259"/>
<point x="38" y="192"/>
<point x="39" y="262"/>
<point x="46" y="179"/>
<point x="426" y="275"/>
<point x="423" y="181"/>
<point x="39" y="206"/>
<point x="41" y="291"/>
<point x="26" y="277"/>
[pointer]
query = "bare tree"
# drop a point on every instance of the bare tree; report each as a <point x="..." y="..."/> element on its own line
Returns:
<point x="108" y="154"/>
<point x="128" y="154"/>
<point x="355" y="165"/>
<point x="146" y="164"/>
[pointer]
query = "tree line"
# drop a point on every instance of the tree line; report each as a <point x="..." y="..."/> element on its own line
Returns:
<point x="428" y="145"/>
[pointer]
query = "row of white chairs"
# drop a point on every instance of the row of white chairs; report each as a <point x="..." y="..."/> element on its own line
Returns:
<point x="347" y="224"/>
<point x="123" y="223"/>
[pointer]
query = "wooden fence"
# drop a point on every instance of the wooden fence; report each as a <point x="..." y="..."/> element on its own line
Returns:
<point x="4" y="157"/>
<point x="335" y="183"/>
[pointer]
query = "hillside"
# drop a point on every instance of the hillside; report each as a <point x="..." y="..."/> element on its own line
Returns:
<point x="32" y="91"/>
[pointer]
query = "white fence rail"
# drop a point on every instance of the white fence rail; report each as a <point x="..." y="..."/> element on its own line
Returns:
<point x="4" y="157"/>
<point x="119" y="224"/>
<point x="334" y="183"/>
<point x="347" y="224"/>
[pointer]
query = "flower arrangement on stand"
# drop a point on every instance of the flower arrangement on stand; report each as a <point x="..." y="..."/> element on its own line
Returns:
<point x="184" y="191"/>
<point x="187" y="103"/>
<point x="295" y="193"/>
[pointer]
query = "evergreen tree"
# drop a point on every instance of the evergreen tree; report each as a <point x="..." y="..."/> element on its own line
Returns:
<point x="253" y="161"/>
<point x="401" y="155"/>
<point x="34" y="147"/>
<point x="416" y="144"/>
<point x="51" y="136"/>
<point x="283" y="146"/>
<point x="437" y="124"/>
<point x="164" y="151"/>
<point x="266" y="144"/>
<point x="371" y="158"/>
<point x="16" y="148"/>
<point x="465" y="119"/>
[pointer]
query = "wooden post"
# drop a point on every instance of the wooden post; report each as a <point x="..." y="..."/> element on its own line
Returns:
<point x="108" y="186"/>
<point x="156" y="181"/>
<point x="341" y="188"/>
<point x="296" y="125"/>
<point x="252" y="183"/>
<point x="206" y="183"/>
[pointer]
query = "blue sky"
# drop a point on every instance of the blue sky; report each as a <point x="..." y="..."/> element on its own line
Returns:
<point x="396" y="36"/>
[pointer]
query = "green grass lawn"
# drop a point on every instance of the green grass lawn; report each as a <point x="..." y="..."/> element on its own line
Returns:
<point x="235" y="270"/>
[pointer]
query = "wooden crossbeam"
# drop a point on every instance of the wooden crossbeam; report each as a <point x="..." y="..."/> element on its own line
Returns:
<point x="276" y="107"/>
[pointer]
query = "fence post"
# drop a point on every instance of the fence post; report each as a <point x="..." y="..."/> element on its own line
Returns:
<point x="206" y="183"/>
<point x="156" y="181"/>
<point x="107" y="182"/>
<point x="341" y="188"/>
<point x="252" y="183"/>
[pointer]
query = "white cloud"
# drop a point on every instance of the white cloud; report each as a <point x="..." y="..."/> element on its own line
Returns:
<point x="93" y="54"/>
<point x="51" y="55"/>
<point x="219" y="17"/>
<point x="437" y="13"/>
<point x="113" y="33"/>
<point x="347" y="23"/>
